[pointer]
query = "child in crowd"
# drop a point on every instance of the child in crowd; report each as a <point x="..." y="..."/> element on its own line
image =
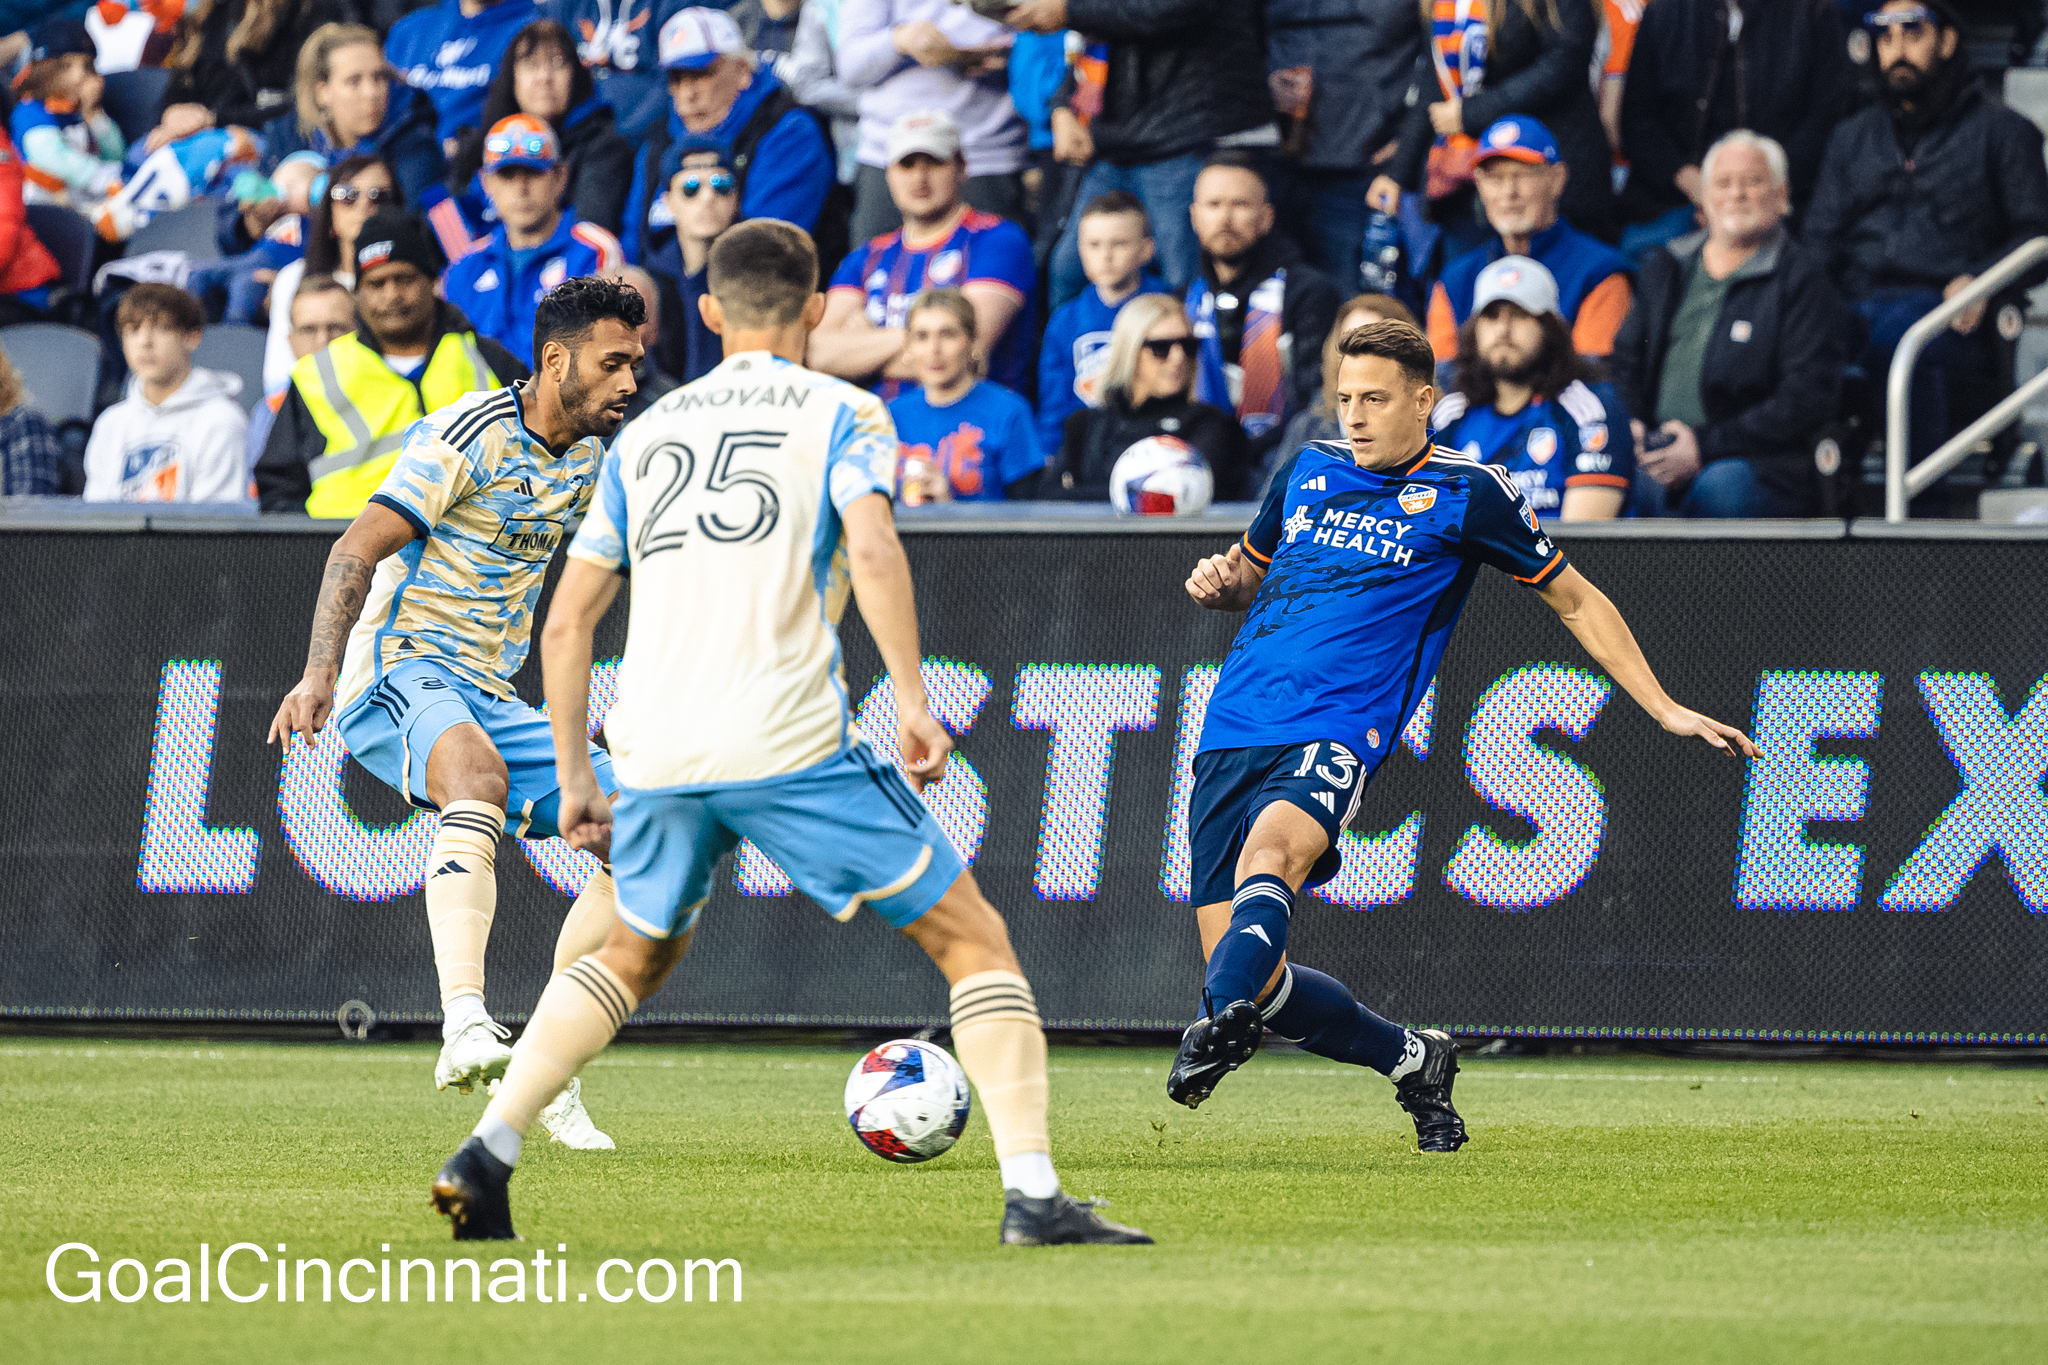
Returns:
<point x="74" y="152"/>
<point x="245" y="280"/>
<point x="1116" y="246"/>
<point x="71" y="148"/>
<point x="964" y="439"/>
<point x="178" y="434"/>
<point x="703" y="196"/>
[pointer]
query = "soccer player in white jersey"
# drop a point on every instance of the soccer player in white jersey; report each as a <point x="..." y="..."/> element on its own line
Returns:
<point x="746" y="504"/>
<point x="426" y="612"/>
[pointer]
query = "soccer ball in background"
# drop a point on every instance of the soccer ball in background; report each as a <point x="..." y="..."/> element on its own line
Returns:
<point x="908" y="1101"/>
<point x="1161" y="476"/>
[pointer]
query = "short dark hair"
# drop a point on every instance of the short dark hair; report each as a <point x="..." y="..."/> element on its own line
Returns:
<point x="1401" y="342"/>
<point x="567" y="312"/>
<point x="1118" y="201"/>
<point x="763" y="272"/>
<point x="1557" y="364"/>
<point x="1230" y="159"/>
<point x="146" y="303"/>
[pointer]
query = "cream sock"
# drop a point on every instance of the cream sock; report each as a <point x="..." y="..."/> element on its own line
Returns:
<point x="1000" y="1041"/>
<point x="590" y="919"/>
<point x="462" y="893"/>
<point x="577" y="1015"/>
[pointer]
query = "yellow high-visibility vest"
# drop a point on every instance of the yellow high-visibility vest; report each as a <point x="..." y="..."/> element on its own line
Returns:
<point x="363" y="406"/>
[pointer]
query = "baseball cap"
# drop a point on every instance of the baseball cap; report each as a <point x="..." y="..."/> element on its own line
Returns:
<point x="694" y="38"/>
<point x="1527" y="284"/>
<point x="931" y="131"/>
<point x="392" y="234"/>
<point x="1519" y="138"/>
<point x="521" y="140"/>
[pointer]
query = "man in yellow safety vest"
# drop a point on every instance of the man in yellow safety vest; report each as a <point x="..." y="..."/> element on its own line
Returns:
<point x="344" y="416"/>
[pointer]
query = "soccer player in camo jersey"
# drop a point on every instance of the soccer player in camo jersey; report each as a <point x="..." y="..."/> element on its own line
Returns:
<point x="426" y="612"/>
<point x="1362" y="555"/>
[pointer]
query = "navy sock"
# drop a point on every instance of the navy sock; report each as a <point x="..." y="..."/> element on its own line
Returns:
<point x="1253" y="944"/>
<point x="1316" y="1011"/>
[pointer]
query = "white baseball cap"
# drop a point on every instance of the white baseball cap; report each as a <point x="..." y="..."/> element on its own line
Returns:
<point x="931" y="131"/>
<point x="694" y="38"/>
<point x="1527" y="284"/>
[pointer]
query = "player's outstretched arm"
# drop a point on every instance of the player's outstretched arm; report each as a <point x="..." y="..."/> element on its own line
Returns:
<point x="371" y="538"/>
<point x="1588" y="614"/>
<point x="581" y="599"/>
<point x="1226" y="582"/>
<point x="881" y="585"/>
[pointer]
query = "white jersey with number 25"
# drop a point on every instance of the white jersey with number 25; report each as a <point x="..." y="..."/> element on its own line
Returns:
<point x="723" y="502"/>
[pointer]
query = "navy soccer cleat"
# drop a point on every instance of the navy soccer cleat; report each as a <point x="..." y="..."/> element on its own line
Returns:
<point x="1213" y="1048"/>
<point x="1426" y="1094"/>
<point x="471" y="1190"/>
<point x="1061" y="1221"/>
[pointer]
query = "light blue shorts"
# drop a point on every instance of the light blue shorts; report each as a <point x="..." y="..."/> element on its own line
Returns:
<point x="848" y="831"/>
<point x="391" y="730"/>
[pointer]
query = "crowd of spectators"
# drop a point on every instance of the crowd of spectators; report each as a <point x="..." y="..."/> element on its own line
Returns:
<point x="1658" y="248"/>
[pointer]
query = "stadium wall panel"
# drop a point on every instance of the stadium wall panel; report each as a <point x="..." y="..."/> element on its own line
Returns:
<point x="1537" y="858"/>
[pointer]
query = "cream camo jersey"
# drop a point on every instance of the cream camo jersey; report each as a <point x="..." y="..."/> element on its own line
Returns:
<point x="723" y="502"/>
<point x="488" y="503"/>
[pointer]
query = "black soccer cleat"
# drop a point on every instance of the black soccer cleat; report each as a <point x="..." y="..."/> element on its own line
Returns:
<point x="1213" y="1048"/>
<point x="1060" y="1221"/>
<point x="1426" y="1094"/>
<point x="471" y="1190"/>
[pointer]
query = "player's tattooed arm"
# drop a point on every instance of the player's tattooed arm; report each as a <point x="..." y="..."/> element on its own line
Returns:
<point x="371" y="538"/>
<point x="1590" y="616"/>
<point x="1226" y="582"/>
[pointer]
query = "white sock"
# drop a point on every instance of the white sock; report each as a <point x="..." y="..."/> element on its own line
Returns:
<point x="459" y="1013"/>
<point x="1411" y="1058"/>
<point x="1030" y="1174"/>
<point x="501" y="1139"/>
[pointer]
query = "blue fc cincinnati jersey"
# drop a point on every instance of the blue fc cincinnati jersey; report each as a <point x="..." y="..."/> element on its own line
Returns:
<point x="983" y="250"/>
<point x="1579" y="439"/>
<point x="1366" y="572"/>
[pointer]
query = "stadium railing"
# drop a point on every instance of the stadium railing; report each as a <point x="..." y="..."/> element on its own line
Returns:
<point x="1900" y="483"/>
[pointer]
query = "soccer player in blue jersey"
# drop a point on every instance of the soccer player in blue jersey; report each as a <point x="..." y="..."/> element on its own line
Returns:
<point x="1352" y="578"/>
<point x="426" y="612"/>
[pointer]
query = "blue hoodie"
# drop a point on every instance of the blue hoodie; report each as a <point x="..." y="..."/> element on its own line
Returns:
<point x="453" y="57"/>
<point x="616" y="41"/>
<point x="792" y="170"/>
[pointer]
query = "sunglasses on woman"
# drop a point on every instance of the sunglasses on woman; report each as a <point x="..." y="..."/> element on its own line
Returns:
<point x="721" y="183"/>
<point x="1161" y="350"/>
<point x="348" y="194"/>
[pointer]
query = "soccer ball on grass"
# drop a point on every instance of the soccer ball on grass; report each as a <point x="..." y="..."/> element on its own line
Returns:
<point x="908" y="1100"/>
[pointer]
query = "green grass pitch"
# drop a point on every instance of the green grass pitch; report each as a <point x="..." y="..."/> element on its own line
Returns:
<point x="1607" y="1209"/>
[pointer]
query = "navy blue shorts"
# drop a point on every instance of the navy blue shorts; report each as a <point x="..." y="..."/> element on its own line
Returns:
<point x="1324" y="779"/>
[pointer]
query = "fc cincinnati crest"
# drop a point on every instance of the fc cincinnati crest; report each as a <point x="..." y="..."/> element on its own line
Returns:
<point x="1542" y="444"/>
<point x="1529" y="516"/>
<point x="944" y="269"/>
<point x="1416" y="499"/>
<point x="553" y="273"/>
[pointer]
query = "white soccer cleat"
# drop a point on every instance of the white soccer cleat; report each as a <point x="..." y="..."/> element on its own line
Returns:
<point x="568" y="1122"/>
<point x="475" y="1055"/>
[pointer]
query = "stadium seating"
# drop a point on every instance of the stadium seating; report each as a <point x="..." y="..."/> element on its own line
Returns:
<point x="235" y="350"/>
<point x="60" y="365"/>
<point x="134" y="99"/>
<point x="189" y="229"/>
<point x="70" y="238"/>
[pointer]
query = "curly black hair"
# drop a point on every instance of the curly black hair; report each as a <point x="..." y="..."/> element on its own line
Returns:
<point x="567" y="312"/>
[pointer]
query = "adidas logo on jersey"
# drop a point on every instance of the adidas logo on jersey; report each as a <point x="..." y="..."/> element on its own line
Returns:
<point x="1319" y="484"/>
<point x="1329" y="802"/>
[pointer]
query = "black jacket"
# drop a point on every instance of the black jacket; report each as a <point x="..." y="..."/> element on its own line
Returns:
<point x="1093" y="438"/>
<point x="283" y="476"/>
<point x="1538" y="71"/>
<point x="1363" y="54"/>
<point x="1973" y="189"/>
<point x="258" y="87"/>
<point x="1308" y="310"/>
<point x="1787" y="77"/>
<point x="1182" y="73"/>
<point x="1772" y="368"/>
